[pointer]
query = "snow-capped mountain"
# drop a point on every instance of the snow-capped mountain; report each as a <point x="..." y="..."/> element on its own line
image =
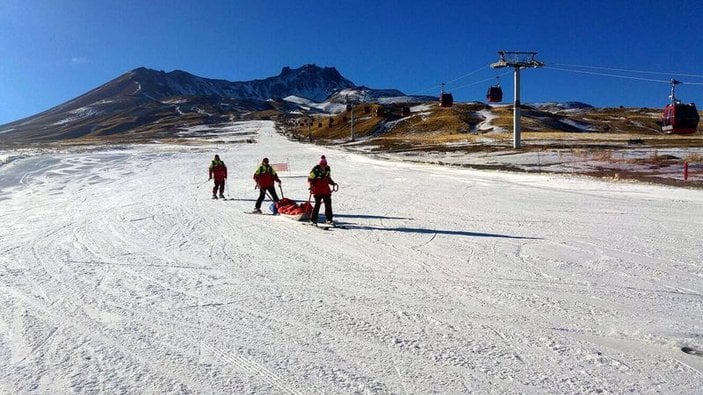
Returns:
<point x="156" y="103"/>
<point x="309" y="81"/>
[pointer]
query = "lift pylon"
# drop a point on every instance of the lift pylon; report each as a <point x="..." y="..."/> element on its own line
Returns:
<point x="517" y="60"/>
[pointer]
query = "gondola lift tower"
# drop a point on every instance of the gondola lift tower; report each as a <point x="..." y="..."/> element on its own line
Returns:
<point x="350" y="109"/>
<point x="516" y="60"/>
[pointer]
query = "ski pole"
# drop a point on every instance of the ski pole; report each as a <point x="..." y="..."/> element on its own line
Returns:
<point x="227" y="187"/>
<point x="281" y="189"/>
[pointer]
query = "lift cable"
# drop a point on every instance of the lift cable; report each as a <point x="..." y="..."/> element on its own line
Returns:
<point x="619" y="76"/>
<point x="482" y="81"/>
<point x="466" y="75"/>
<point x="627" y="70"/>
<point x="434" y="87"/>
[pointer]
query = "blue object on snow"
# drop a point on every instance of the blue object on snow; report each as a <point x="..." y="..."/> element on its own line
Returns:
<point x="272" y="207"/>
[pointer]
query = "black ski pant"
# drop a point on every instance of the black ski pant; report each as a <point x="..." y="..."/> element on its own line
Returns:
<point x="262" y="194"/>
<point x="327" y="199"/>
<point x="219" y="184"/>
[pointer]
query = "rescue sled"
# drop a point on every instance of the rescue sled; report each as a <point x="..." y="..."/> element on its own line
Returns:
<point x="288" y="208"/>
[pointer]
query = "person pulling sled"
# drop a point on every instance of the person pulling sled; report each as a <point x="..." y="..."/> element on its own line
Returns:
<point x="218" y="171"/>
<point x="265" y="176"/>
<point x="320" y="179"/>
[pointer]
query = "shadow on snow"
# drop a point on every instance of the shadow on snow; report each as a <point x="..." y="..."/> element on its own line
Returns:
<point x="435" y="231"/>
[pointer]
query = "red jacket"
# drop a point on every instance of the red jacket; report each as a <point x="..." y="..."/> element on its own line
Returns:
<point x="320" y="179"/>
<point x="265" y="176"/>
<point x="218" y="170"/>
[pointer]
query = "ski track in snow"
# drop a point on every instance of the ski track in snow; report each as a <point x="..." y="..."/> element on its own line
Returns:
<point x="120" y="274"/>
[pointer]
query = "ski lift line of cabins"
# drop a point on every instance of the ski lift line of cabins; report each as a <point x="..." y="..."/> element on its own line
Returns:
<point x="677" y="117"/>
<point x="495" y="91"/>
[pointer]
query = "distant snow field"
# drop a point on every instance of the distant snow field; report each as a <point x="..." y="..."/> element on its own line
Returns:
<point x="120" y="274"/>
<point x="78" y="114"/>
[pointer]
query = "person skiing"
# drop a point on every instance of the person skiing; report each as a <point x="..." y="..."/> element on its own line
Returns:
<point x="265" y="176"/>
<point x="320" y="179"/>
<point x="218" y="171"/>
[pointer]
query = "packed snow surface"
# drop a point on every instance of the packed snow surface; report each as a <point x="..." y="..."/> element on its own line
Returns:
<point x="307" y="104"/>
<point x="120" y="274"/>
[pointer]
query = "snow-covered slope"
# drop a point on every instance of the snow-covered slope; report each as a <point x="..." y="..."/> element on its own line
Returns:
<point x="120" y="274"/>
<point x="309" y="105"/>
<point x="386" y="96"/>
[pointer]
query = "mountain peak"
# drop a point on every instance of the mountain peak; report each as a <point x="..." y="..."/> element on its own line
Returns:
<point x="329" y="72"/>
<point x="310" y="81"/>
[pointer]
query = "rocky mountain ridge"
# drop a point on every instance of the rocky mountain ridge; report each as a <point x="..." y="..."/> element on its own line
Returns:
<point x="157" y="102"/>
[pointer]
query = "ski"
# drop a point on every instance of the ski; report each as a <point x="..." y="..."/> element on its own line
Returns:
<point x="326" y="226"/>
<point x="295" y="218"/>
<point x="318" y="226"/>
<point x="333" y="225"/>
<point x="692" y="351"/>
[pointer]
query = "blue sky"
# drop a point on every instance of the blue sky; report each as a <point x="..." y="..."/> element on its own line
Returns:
<point x="52" y="51"/>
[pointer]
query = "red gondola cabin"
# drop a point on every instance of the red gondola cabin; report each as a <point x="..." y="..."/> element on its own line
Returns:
<point x="679" y="118"/>
<point x="495" y="94"/>
<point x="446" y="100"/>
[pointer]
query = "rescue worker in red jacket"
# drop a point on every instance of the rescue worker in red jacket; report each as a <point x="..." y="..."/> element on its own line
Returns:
<point x="320" y="179"/>
<point x="265" y="176"/>
<point x="218" y="171"/>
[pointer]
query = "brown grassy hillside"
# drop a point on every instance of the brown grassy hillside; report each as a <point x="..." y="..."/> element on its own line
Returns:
<point x="480" y="126"/>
